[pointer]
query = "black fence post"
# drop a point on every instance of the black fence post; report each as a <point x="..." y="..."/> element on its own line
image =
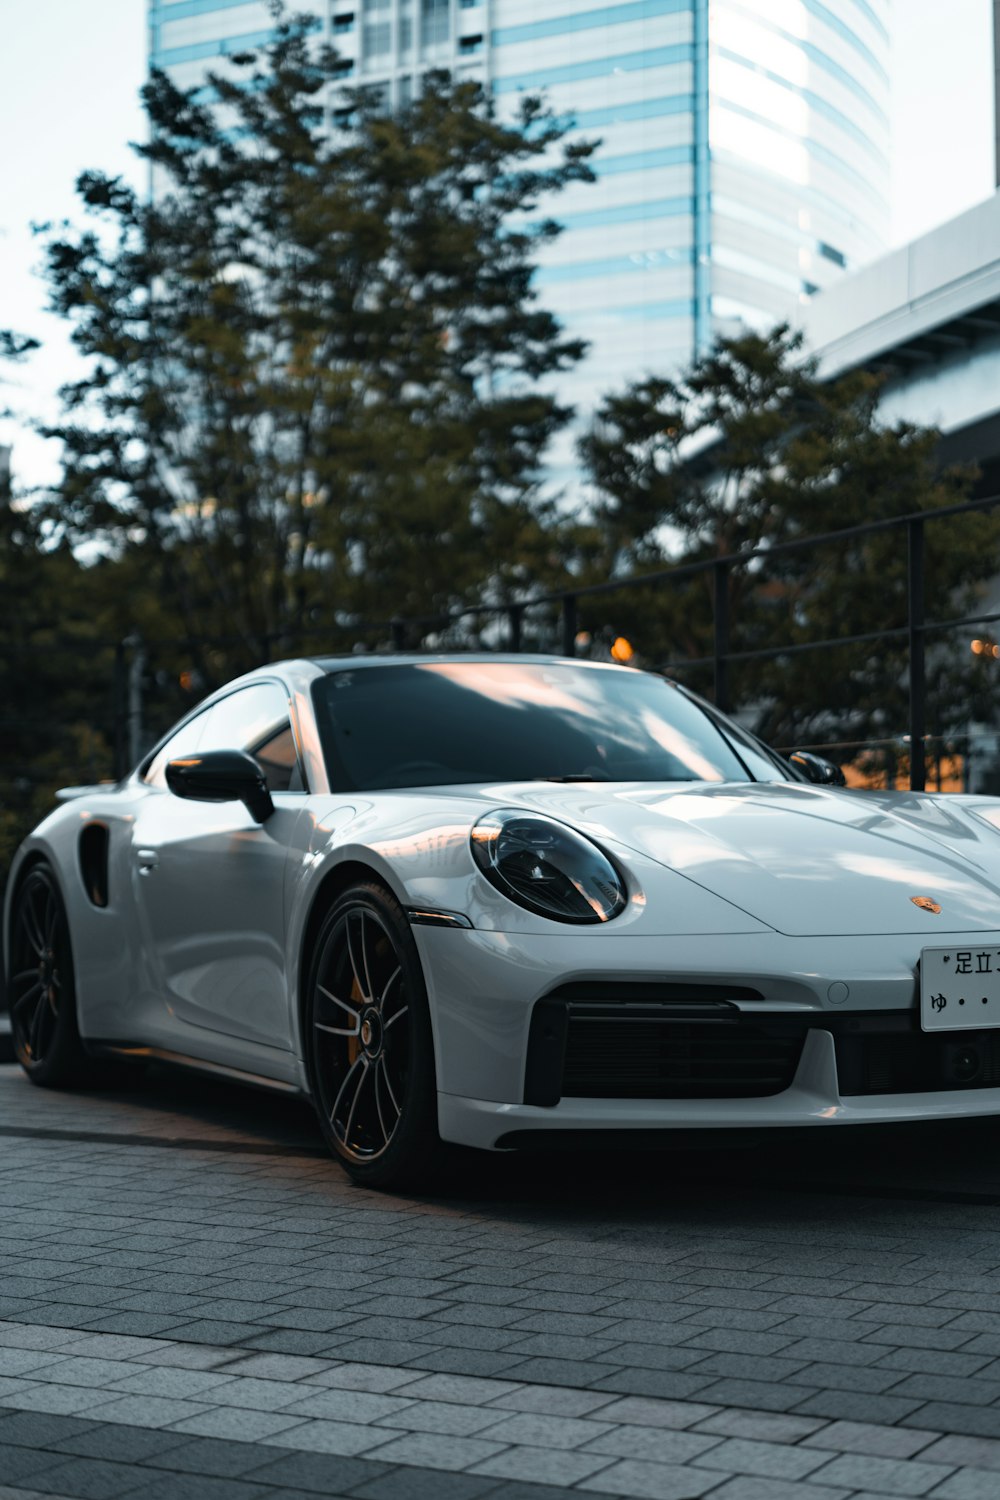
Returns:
<point x="721" y="654"/>
<point x="119" y="696"/>
<point x="514" y="619"/>
<point x="569" y="624"/>
<point x="398" y="628"/>
<point x="915" y="626"/>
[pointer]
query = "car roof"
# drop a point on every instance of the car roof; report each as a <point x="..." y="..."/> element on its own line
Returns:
<point x="423" y="658"/>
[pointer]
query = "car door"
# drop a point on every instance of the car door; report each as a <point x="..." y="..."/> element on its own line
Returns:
<point x="209" y="883"/>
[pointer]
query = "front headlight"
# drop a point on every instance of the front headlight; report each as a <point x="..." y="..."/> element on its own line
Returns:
<point x="547" y="867"/>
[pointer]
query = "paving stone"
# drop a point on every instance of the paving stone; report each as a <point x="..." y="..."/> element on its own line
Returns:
<point x="889" y="1475"/>
<point x="109" y="1346"/>
<point x="773" y="1460"/>
<point x="148" y="1380"/>
<point x="658" y="1444"/>
<point x="238" y="1424"/>
<point x="63" y="1399"/>
<point x="113" y="1440"/>
<point x="40" y="1429"/>
<point x="212" y="1331"/>
<point x="851" y="1406"/>
<point x="879" y="1442"/>
<point x="23" y="1336"/>
<point x="459" y="1388"/>
<point x="293" y="1341"/>
<point x="967" y="1484"/>
<point x="948" y="1416"/>
<point x="868" y="1380"/>
<point x="426" y="1484"/>
<point x="278" y="1366"/>
<point x="636" y="1477"/>
<point x="467" y="1362"/>
<point x="24" y="1361"/>
<point x="355" y="1377"/>
<point x="18" y="1464"/>
<point x="556" y="1401"/>
<point x="972" y="1392"/>
<point x="135" y="1322"/>
<point x="543" y="1431"/>
<point x="642" y="1411"/>
<point x="540" y="1466"/>
<point x="87" y="1479"/>
<point x="761" y="1426"/>
<point x="752" y="1487"/>
<point x="441" y="1416"/>
<point x="316" y="1435"/>
<point x="766" y="1396"/>
<point x="940" y="1362"/>
<point x="147" y="1411"/>
<point x="674" y="1357"/>
<point x="971" y="1452"/>
<point x="764" y="1321"/>
<point x="179" y="1487"/>
<point x="342" y="1405"/>
<point x="376" y="1351"/>
<point x="432" y="1451"/>
<point x="772" y="1369"/>
<point x="899" y="1335"/>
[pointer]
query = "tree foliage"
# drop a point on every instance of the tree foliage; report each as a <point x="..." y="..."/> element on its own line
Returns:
<point x="750" y="449"/>
<point x="314" y="358"/>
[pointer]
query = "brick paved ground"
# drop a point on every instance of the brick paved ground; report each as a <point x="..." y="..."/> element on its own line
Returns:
<point x="195" y="1303"/>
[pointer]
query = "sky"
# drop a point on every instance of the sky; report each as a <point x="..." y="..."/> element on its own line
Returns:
<point x="69" y="79"/>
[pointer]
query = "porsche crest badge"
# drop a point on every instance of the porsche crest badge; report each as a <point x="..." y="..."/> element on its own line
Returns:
<point x="926" y="903"/>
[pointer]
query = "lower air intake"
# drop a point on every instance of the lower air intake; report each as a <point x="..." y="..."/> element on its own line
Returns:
<point x="669" y="1050"/>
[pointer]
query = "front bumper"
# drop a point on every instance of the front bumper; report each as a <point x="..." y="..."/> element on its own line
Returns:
<point x="812" y="1099"/>
<point x="485" y="987"/>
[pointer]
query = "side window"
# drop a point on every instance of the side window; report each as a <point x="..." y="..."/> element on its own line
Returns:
<point x="185" y="742"/>
<point x="256" y="719"/>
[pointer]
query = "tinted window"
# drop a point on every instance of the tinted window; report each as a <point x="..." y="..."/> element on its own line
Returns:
<point x="185" y="741"/>
<point x="438" y="724"/>
<point x="256" y="719"/>
<point x="761" y="762"/>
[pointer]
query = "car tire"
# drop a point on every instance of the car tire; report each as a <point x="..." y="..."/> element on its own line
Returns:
<point x="40" y="987"/>
<point x="368" y="1043"/>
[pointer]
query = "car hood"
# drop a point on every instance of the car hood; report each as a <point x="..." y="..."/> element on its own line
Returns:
<point x="804" y="860"/>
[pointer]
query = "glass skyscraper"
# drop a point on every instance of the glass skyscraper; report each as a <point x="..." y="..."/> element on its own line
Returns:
<point x="744" y="156"/>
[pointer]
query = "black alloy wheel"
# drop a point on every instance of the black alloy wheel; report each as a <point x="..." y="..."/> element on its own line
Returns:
<point x="41" y="991"/>
<point x="368" y="1041"/>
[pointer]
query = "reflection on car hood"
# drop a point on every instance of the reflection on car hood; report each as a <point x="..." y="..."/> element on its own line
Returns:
<point x="805" y="860"/>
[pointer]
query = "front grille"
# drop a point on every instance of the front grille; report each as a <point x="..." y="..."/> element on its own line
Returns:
<point x="914" y="1062"/>
<point x="699" y="1049"/>
<point x="668" y="1059"/>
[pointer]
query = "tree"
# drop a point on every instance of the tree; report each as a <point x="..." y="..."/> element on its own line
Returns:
<point x="313" y="358"/>
<point x="750" y="448"/>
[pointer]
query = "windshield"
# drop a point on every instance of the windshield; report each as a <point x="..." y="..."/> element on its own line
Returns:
<point x="447" y="723"/>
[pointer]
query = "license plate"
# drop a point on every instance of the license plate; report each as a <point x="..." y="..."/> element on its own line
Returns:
<point x="959" y="989"/>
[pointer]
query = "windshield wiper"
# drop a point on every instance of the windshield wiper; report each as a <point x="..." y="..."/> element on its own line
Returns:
<point x="575" y="776"/>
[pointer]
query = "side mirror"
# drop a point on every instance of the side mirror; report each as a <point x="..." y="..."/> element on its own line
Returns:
<point x="817" y="770"/>
<point x="222" y="776"/>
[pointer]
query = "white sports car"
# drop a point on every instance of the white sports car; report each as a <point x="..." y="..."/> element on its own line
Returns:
<point x="507" y="902"/>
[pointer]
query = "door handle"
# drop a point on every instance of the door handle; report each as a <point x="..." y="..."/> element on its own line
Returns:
<point x="147" y="859"/>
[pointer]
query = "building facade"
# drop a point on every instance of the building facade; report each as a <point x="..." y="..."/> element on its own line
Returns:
<point x="744" y="143"/>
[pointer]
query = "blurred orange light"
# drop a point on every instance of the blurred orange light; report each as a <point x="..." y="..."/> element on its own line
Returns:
<point x="622" y="650"/>
<point x="977" y="648"/>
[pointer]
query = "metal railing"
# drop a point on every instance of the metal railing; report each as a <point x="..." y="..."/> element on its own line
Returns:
<point x="123" y="724"/>
<point x="915" y="631"/>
